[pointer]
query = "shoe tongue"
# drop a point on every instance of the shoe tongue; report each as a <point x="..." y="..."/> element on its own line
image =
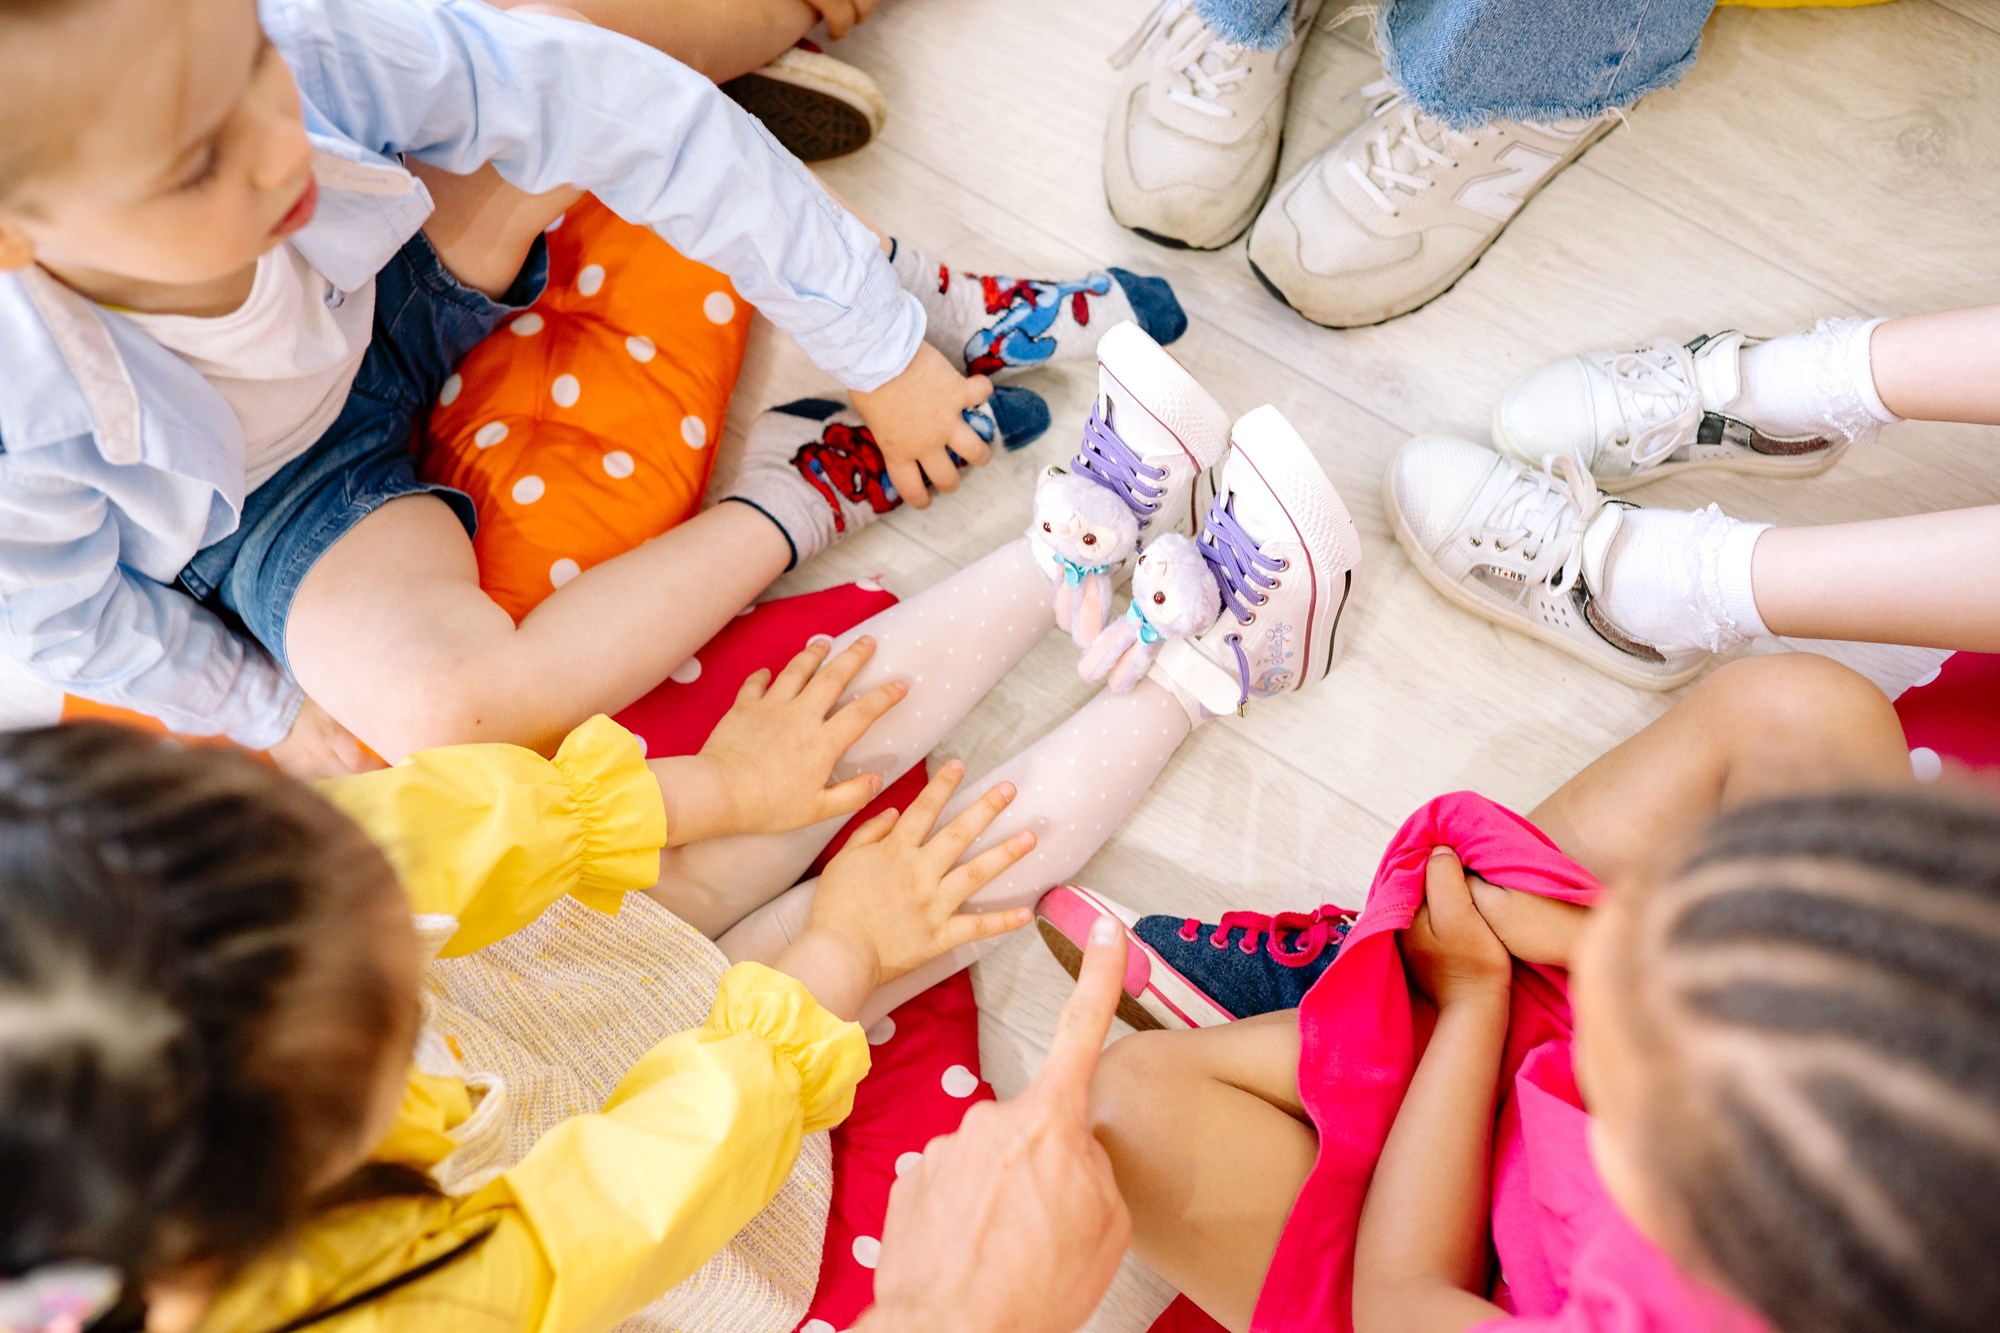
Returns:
<point x="1598" y="539"/>
<point x="1718" y="370"/>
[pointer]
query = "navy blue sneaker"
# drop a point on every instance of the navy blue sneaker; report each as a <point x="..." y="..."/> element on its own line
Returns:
<point x="1183" y="973"/>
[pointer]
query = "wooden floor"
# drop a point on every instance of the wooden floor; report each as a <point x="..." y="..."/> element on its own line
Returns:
<point x="1817" y="162"/>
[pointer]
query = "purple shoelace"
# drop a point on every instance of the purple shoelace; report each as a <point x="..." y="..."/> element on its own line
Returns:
<point x="1106" y="459"/>
<point x="1244" y="573"/>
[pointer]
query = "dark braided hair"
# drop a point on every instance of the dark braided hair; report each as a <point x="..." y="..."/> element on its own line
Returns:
<point x="1816" y="994"/>
<point x="191" y="1000"/>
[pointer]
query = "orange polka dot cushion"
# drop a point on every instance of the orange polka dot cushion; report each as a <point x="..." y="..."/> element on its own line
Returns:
<point x="588" y="424"/>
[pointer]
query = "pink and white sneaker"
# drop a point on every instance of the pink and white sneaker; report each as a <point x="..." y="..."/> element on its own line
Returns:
<point x="1183" y="973"/>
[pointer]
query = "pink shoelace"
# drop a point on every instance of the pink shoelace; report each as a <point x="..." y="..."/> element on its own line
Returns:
<point x="1312" y="932"/>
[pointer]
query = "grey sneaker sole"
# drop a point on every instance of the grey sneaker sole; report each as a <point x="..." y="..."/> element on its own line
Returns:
<point x="816" y="106"/>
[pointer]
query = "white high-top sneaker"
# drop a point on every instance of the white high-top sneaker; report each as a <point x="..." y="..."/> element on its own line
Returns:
<point x="1633" y="417"/>
<point x="1524" y="548"/>
<point x="1192" y="143"/>
<point x="1284" y="552"/>
<point x="1152" y="433"/>
<point x="1397" y="211"/>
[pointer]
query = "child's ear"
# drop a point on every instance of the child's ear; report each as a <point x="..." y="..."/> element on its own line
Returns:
<point x="16" y="250"/>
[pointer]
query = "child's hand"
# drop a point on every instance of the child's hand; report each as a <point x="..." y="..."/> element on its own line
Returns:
<point x="319" y="747"/>
<point x="773" y="752"/>
<point x="1451" y="952"/>
<point x="1533" y="928"/>
<point x="841" y="15"/>
<point x="892" y="898"/>
<point x="916" y="423"/>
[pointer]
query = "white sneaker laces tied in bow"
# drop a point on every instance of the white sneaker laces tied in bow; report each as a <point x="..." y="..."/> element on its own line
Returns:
<point x="1401" y="156"/>
<point x="1544" y="513"/>
<point x="1208" y="69"/>
<point x="1658" y="393"/>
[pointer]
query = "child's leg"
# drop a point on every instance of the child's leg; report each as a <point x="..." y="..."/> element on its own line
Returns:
<point x="1758" y="728"/>
<point x="1076" y="785"/>
<point x="950" y="643"/>
<point x="1940" y="366"/>
<point x="1207" y="1221"/>
<point x="721" y="41"/>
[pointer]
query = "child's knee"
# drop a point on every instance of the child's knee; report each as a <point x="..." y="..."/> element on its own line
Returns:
<point x="1128" y="1092"/>
<point x="1794" y="694"/>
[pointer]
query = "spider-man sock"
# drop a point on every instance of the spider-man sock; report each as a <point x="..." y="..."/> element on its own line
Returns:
<point x="989" y="325"/>
<point x="812" y="467"/>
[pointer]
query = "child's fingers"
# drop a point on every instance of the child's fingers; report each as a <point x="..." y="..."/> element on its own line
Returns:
<point x="877" y="828"/>
<point x="965" y="442"/>
<point x="844" y="798"/>
<point x="953" y="839"/>
<point x="940" y="468"/>
<point x="800" y="669"/>
<point x="1445" y="890"/>
<point x="923" y="812"/>
<point x="753" y="686"/>
<point x="831" y="681"/>
<point x="908" y="479"/>
<point x="978" y="389"/>
<point x="984" y="868"/>
<point x="972" y="927"/>
<point x="853" y="721"/>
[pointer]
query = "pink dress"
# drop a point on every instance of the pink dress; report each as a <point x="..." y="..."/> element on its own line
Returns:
<point x="1569" y="1259"/>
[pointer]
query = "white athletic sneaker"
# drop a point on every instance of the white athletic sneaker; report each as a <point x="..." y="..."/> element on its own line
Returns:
<point x="1522" y="547"/>
<point x="1152" y="433"/>
<point x="1397" y="211"/>
<point x="1284" y="552"/>
<point x="1633" y="417"/>
<point x="1192" y="143"/>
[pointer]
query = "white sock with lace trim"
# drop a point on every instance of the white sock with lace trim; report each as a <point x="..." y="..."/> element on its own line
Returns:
<point x="1680" y="579"/>
<point x="1814" y="381"/>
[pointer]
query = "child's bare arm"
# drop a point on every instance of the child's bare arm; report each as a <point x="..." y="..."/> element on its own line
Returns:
<point x="1420" y="1260"/>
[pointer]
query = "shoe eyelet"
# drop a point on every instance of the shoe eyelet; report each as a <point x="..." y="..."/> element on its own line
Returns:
<point x="1283" y="565"/>
<point x="1219" y="940"/>
<point x="1476" y="541"/>
<point x="1248" y="946"/>
<point x="1250" y="619"/>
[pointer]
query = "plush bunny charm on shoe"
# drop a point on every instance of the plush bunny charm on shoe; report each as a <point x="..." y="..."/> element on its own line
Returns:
<point x="1082" y="532"/>
<point x="1174" y="596"/>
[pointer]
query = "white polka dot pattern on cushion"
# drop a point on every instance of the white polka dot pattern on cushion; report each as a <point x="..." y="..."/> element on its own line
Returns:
<point x="619" y="464"/>
<point x="882" y="1032"/>
<point x="1925" y="763"/>
<point x="528" y="325"/>
<point x="687" y="673"/>
<point x="867" y="1251"/>
<point x="449" y="393"/>
<point x="908" y="1162"/>
<point x="553" y="225"/>
<point x="960" y="1081"/>
<point x="563" y="570"/>
<point x="529" y="489"/>
<point x="640" y="348"/>
<point x="695" y="431"/>
<point x="817" y="1326"/>
<point x="566" y="390"/>
<point x="490" y="434"/>
<point x="720" y="307"/>
<point x="1928" y="678"/>
<point x="590" y="279"/>
<point x="868" y="585"/>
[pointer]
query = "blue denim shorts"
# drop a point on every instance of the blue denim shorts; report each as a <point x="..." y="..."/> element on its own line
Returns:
<point x="426" y="320"/>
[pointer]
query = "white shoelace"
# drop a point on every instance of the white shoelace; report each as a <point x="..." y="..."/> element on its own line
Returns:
<point x="1545" y="512"/>
<point x="1208" y="68"/>
<point x="1400" y="157"/>
<point x="1659" y="398"/>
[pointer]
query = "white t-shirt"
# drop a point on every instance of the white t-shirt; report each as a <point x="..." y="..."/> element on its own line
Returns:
<point x="283" y="360"/>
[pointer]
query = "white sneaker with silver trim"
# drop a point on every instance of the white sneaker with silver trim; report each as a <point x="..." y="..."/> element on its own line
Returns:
<point x="1397" y="211"/>
<point x="1192" y="143"/>
<point x="1524" y="548"/>
<point x="1634" y="417"/>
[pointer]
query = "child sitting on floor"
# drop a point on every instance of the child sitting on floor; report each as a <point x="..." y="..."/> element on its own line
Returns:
<point x="1773" y="1106"/>
<point x="245" y="248"/>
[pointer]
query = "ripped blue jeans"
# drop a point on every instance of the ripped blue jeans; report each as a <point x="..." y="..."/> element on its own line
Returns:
<point x="1468" y="62"/>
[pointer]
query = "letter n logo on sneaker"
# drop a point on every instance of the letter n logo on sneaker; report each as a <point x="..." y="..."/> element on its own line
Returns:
<point x="1500" y="194"/>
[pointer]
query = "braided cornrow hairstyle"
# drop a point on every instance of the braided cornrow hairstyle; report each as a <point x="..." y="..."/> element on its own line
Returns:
<point x="189" y="1000"/>
<point x="1816" y="995"/>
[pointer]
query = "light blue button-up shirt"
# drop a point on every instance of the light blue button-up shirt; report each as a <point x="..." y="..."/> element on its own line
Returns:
<point x="118" y="462"/>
